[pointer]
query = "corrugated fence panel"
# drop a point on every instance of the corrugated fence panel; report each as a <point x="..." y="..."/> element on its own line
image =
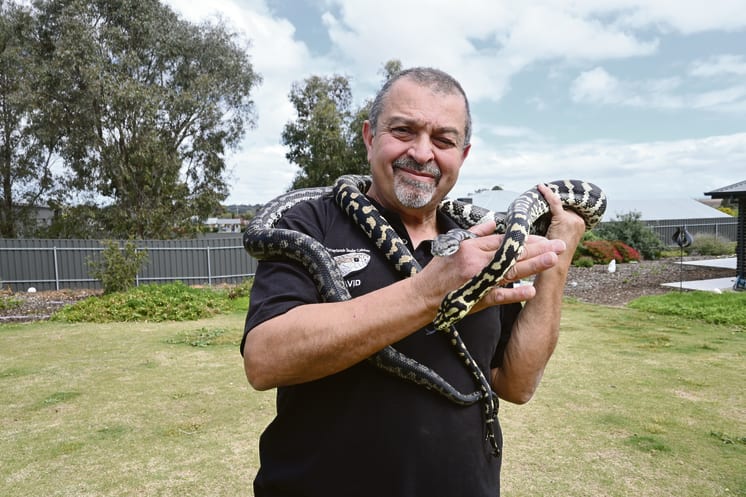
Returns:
<point x="721" y="227"/>
<point x="58" y="264"/>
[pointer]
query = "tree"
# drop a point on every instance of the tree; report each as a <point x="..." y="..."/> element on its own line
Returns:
<point x="320" y="139"/>
<point x="149" y="104"/>
<point x="27" y="145"/>
<point x="325" y="141"/>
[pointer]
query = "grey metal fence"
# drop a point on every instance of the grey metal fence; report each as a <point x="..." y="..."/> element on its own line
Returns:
<point x="59" y="264"/>
<point x="725" y="228"/>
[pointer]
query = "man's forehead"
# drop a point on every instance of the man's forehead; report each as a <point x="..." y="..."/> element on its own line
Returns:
<point x="413" y="103"/>
<point x="417" y="122"/>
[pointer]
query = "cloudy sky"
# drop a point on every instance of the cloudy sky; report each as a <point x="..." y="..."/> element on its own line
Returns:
<point x="643" y="97"/>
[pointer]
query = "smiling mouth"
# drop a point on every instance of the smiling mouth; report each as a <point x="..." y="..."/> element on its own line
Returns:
<point x="414" y="172"/>
<point x="427" y="171"/>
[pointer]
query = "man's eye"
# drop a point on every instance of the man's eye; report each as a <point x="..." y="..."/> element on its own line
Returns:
<point x="443" y="142"/>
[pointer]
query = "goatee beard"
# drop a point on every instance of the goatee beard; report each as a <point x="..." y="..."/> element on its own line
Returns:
<point x="411" y="192"/>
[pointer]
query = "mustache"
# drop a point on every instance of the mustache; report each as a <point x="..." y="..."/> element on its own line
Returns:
<point x="409" y="163"/>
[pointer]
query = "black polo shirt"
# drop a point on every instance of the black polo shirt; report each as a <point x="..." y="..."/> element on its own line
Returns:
<point x="363" y="432"/>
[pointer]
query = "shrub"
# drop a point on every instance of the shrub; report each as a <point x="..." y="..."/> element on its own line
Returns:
<point x="117" y="268"/>
<point x="243" y="289"/>
<point x="628" y="253"/>
<point x="631" y="230"/>
<point x="8" y="303"/>
<point x="704" y="244"/>
<point x="583" y="261"/>
<point x="154" y="303"/>
<point x="602" y="251"/>
<point x="580" y="250"/>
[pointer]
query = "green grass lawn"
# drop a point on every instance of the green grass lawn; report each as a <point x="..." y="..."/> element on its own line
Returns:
<point x="633" y="404"/>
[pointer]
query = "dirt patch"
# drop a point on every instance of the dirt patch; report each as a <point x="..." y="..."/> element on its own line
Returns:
<point x="597" y="285"/>
<point x="37" y="306"/>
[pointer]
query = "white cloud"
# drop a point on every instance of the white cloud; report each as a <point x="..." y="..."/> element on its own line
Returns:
<point x="510" y="131"/>
<point x="483" y="43"/>
<point x="679" y="168"/>
<point x="686" y="17"/>
<point x="719" y="65"/>
<point x="597" y="86"/>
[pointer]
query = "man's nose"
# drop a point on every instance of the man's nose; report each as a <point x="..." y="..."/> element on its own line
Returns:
<point x="422" y="149"/>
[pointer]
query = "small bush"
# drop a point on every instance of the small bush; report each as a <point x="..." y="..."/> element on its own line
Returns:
<point x="628" y="253"/>
<point x="153" y="303"/>
<point x="241" y="290"/>
<point x="8" y="303"/>
<point x="118" y="268"/>
<point x="583" y="261"/>
<point x="631" y="230"/>
<point x="713" y="245"/>
<point x="602" y="251"/>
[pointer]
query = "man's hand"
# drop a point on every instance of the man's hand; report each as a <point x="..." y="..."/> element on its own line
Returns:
<point x="450" y="272"/>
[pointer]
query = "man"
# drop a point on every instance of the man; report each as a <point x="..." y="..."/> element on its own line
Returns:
<point x="344" y="427"/>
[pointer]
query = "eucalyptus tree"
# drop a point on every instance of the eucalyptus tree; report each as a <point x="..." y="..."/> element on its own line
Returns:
<point x="27" y="145"/>
<point x="148" y="104"/>
<point x="325" y="140"/>
<point x="319" y="140"/>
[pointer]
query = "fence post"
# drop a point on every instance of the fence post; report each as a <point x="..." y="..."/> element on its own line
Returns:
<point x="137" y="274"/>
<point x="56" y="269"/>
<point x="209" y="268"/>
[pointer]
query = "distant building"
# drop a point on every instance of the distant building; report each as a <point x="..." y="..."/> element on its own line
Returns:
<point x="224" y="225"/>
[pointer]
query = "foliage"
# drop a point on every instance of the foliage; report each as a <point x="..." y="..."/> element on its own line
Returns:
<point x="705" y="244"/>
<point x="118" y="268"/>
<point x="140" y="105"/>
<point x="728" y="308"/>
<point x="628" y="253"/>
<point x="27" y="140"/>
<point x="731" y="211"/>
<point x="629" y="229"/>
<point x="9" y="302"/>
<point x="603" y="251"/>
<point x="80" y="221"/>
<point x="325" y="140"/>
<point x="583" y="261"/>
<point x="320" y="140"/>
<point x="241" y="290"/>
<point x="153" y="303"/>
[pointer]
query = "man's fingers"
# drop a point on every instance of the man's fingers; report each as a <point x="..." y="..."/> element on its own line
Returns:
<point x="483" y="229"/>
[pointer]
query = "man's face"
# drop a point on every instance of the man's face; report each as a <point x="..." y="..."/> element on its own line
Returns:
<point x="418" y="148"/>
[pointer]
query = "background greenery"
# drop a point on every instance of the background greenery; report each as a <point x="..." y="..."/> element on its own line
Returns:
<point x="634" y="402"/>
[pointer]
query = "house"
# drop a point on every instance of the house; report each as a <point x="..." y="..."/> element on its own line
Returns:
<point x="224" y="225"/>
<point x="737" y="191"/>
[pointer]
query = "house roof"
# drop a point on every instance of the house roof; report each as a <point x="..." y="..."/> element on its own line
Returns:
<point x="649" y="209"/>
<point x="734" y="190"/>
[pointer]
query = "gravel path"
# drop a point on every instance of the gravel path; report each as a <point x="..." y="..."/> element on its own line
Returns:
<point x="596" y="285"/>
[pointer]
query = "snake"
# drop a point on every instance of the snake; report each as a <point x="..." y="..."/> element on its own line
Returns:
<point x="527" y="214"/>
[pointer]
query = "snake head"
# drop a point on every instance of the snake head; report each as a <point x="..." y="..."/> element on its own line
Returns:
<point x="448" y="243"/>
